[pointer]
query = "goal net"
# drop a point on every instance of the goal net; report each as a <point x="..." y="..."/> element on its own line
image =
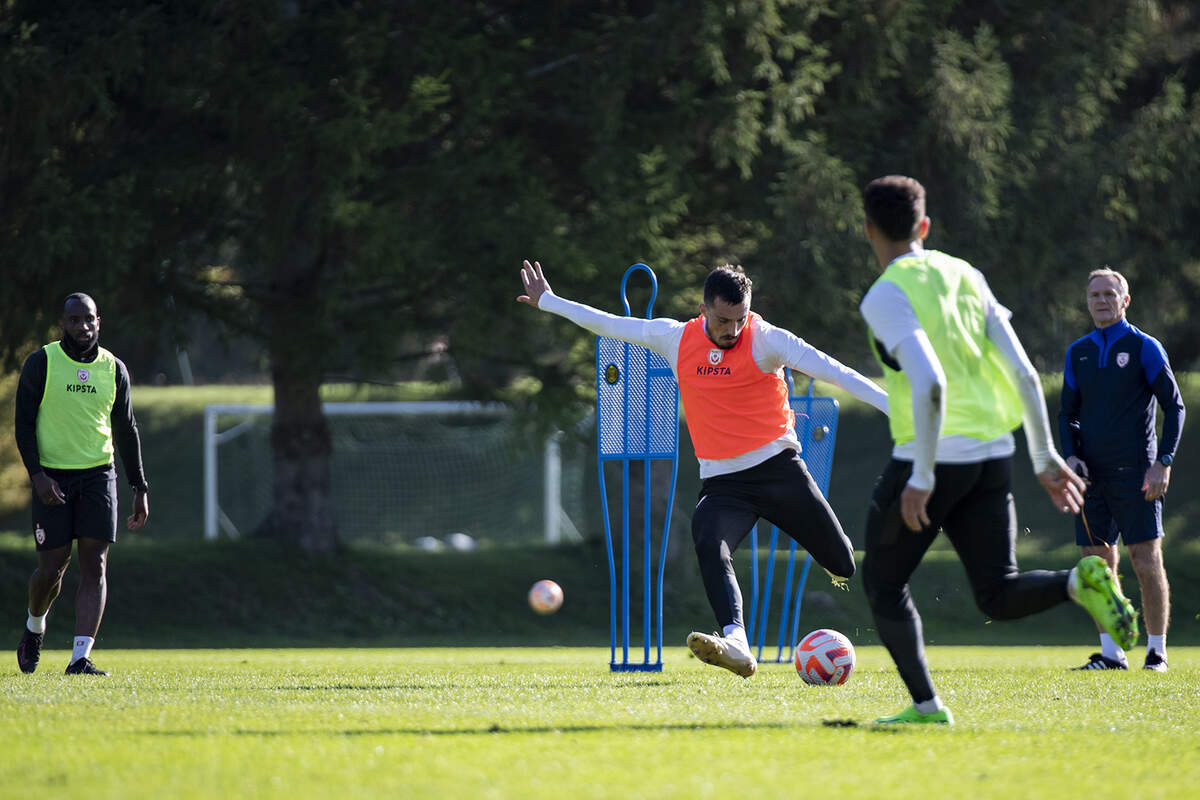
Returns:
<point x="411" y="472"/>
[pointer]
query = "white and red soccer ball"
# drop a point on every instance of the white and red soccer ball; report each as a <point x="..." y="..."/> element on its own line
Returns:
<point x="824" y="658"/>
<point x="545" y="597"/>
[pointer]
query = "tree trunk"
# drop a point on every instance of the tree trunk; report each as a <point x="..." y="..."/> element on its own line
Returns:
<point x="301" y="515"/>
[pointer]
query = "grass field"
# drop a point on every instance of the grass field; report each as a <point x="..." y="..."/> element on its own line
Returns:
<point x="504" y="722"/>
<point x="386" y="714"/>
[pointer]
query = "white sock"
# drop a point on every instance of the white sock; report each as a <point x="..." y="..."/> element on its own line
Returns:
<point x="737" y="633"/>
<point x="36" y="624"/>
<point x="83" y="647"/>
<point x="1109" y="648"/>
<point x="1073" y="585"/>
<point x="1156" y="642"/>
<point x="930" y="706"/>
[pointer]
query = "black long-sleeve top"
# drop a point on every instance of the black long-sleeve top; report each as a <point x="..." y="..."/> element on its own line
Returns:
<point x="32" y="385"/>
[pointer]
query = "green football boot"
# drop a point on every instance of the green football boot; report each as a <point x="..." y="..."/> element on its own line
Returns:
<point x="1097" y="591"/>
<point x="910" y="715"/>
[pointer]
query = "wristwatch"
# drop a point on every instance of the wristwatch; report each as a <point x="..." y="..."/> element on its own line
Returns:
<point x="1166" y="459"/>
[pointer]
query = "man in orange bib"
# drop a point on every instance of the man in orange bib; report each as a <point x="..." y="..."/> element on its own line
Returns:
<point x="729" y="364"/>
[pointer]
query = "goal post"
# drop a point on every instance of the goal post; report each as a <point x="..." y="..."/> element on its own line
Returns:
<point x="394" y="437"/>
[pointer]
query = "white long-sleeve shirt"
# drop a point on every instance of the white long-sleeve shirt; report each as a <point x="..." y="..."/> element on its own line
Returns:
<point x="891" y="318"/>
<point x="772" y="349"/>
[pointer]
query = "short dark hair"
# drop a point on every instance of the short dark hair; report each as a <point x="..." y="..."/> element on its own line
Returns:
<point x="81" y="298"/>
<point x="895" y="204"/>
<point x="729" y="283"/>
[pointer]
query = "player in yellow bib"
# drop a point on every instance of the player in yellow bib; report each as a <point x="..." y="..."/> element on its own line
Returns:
<point x="958" y="383"/>
<point x="73" y="411"/>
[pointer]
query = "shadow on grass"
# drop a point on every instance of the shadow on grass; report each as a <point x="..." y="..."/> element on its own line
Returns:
<point x="496" y="729"/>
<point x="417" y="687"/>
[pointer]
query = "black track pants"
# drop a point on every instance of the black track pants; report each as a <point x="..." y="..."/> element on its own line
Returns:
<point x="973" y="504"/>
<point x="779" y="490"/>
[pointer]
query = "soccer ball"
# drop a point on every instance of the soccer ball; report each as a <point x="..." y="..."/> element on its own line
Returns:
<point x="545" y="597"/>
<point x="824" y="658"/>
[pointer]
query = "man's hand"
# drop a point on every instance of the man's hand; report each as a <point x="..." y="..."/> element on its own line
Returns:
<point x="1158" y="478"/>
<point x="1064" y="487"/>
<point x="48" y="490"/>
<point x="141" y="510"/>
<point x="912" y="507"/>
<point x="1076" y="465"/>
<point x="535" y="282"/>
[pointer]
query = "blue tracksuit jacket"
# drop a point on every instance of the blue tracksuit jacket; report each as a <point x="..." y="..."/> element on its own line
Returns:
<point x="1111" y="383"/>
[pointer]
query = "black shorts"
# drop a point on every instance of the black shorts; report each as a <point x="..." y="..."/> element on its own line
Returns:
<point x="972" y="503"/>
<point x="1115" y="506"/>
<point x="89" y="513"/>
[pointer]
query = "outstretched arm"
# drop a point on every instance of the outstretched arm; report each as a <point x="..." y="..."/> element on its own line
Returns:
<point x="790" y="350"/>
<point x="660" y="335"/>
<point x="535" y="282"/>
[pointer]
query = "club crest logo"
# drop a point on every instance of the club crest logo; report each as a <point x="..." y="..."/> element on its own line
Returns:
<point x="83" y="375"/>
<point x="715" y="355"/>
<point x="39" y="533"/>
<point x="612" y="374"/>
<point x="1122" y="359"/>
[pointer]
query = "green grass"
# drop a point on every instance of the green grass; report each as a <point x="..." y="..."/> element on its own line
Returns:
<point x="454" y="722"/>
<point x="462" y="721"/>
<point x="195" y="594"/>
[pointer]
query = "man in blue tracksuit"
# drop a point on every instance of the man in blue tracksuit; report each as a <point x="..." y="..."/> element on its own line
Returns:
<point x="1115" y="378"/>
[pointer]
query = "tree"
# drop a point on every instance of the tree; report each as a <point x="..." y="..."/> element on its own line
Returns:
<point x="257" y="187"/>
<point x="343" y="182"/>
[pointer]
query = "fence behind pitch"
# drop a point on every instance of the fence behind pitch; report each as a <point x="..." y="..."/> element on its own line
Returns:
<point x="402" y="471"/>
